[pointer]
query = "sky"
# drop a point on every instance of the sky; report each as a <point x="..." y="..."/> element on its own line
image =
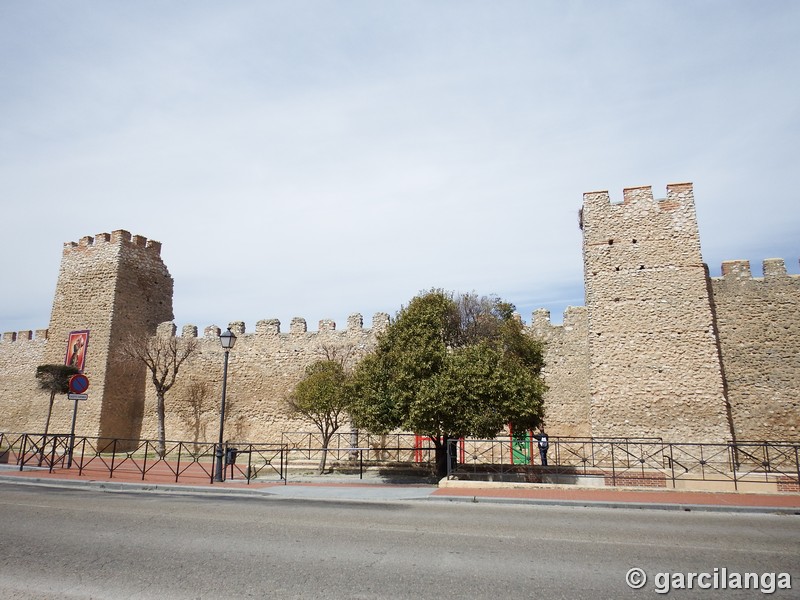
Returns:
<point x="321" y="158"/>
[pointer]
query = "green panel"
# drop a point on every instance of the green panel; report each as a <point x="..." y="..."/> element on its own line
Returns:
<point x="520" y="448"/>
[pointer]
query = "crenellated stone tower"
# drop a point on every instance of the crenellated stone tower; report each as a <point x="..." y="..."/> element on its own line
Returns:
<point x="655" y="366"/>
<point x="116" y="286"/>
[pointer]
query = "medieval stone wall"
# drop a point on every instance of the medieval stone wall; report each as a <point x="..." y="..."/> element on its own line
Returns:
<point x="23" y="407"/>
<point x="566" y="371"/>
<point x="117" y="287"/>
<point x="654" y="368"/>
<point x="660" y="349"/>
<point x="758" y="319"/>
<point x="263" y="368"/>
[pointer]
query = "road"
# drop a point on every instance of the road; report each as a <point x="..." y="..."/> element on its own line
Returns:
<point x="66" y="543"/>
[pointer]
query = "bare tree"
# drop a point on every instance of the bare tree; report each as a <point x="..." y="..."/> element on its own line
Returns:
<point x="163" y="355"/>
<point x="192" y="412"/>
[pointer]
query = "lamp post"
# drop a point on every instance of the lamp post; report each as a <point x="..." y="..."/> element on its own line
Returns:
<point x="227" y="339"/>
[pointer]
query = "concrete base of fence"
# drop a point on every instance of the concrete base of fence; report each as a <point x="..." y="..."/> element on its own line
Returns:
<point x="751" y="484"/>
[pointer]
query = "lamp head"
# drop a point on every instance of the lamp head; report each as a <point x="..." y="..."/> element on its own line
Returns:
<point x="227" y="339"/>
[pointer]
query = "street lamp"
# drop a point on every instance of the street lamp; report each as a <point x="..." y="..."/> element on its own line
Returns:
<point x="227" y="339"/>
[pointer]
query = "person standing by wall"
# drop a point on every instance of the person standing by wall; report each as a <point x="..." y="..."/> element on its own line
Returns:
<point x="544" y="445"/>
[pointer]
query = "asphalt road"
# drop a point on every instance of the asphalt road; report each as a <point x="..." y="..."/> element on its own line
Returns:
<point x="62" y="543"/>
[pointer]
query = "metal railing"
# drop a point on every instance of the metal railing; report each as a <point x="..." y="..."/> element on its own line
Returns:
<point x="618" y="461"/>
<point x="347" y="452"/>
<point x="629" y="461"/>
<point x="177" y="461"/>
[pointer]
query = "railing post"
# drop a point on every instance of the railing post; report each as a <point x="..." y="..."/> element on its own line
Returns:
<point x="613" y="467"/>
<point x="672" y="464"/>
<point x="734" y="454"/>
<point x="144" y="463"/>
<point x="113" y="458"/>
<point x="797" y="463"/>
<point x="361" y="463"/>
<point x="21" y="458"/>
<point x="178" y="466"/>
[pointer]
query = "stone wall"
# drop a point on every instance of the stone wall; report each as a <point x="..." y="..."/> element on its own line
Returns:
<point x="660" y="349"/>
<point x="566" y="371"/>
<point x="654" y="368"/>
<point x="758" y="320"/>
<point x="263" y="368"/>
<point x="117" y="287"/>
<point x="23" y="406"/>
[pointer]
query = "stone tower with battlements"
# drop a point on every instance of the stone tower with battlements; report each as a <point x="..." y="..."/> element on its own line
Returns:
<point x="115" y="286"/>
<point x="655" y="366"/>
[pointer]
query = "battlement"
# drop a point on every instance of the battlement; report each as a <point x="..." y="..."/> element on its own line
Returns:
<point x="25" y="336"/>
<point x="298" y="326"/>
<point x="573" y="315"/>
<point x="678" y="195"/>
<point x="118" y="237"/>
<point x="772" y="268"/>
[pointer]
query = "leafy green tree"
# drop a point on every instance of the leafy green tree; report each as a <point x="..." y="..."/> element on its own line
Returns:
<point x="320" y="398"/>
<point x="54" y="379"/>
<point x="447" y="367"/>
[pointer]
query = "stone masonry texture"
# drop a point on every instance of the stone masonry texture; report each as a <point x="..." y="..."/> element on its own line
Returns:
<point x="659" y="350"/>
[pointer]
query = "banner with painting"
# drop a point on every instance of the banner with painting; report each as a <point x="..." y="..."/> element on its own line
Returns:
<point x="76" y="349"/>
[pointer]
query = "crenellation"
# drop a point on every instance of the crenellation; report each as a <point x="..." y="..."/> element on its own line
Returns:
<point x="540" y="318"/>
<point x="380" y="321"/>
<point x="10" y="336"/>
<point x="212" y="331"/>
<point x="86" y="240"/>
<point x="166" y="329"/>
<point x="41" y="334"/>
<point x="25" y="335"/>
<point x="102" y="238"/>
<point x="298" y="325"/>
<point x="355" y="322"/>
<point x="237" y="327"/>
<point x="736" y="269"/>
<point x="120" y="235"/>
<point x="154" y="247"/>
<point x="268" y="327"/>
<point x="189" y="331"/>
<point x="327" y="325"/>
<point x="139" y="240"/>
<point x="774" y="268"/>
<point x="635" y="195"/>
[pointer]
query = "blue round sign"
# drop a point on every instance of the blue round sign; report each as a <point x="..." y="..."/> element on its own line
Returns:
<point x="78" y="384"/>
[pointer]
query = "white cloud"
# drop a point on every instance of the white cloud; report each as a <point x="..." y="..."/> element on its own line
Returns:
<point x="360" y="152"/>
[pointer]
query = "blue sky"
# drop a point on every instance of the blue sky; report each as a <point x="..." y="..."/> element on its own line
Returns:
<point x="316" y="159"/>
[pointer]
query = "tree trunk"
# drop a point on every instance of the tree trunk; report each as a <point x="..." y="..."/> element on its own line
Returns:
<point x="440" y="445"/>
<point x="46" y="426"/>
<point x="326" y="439"/>
<point x="49" y="413"/>
<point x="161" y="449"/>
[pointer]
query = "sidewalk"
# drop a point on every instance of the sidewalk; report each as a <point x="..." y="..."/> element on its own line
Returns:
<point x="373" y="488"/>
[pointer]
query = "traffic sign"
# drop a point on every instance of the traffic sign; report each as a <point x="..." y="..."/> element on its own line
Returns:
<point x="78" y="396"/>
<point x="78" y="384"/>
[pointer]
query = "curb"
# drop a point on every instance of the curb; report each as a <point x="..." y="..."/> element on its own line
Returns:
<point x="263" y="493"/>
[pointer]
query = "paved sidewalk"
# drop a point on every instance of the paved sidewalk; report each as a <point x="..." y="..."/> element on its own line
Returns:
<point x="372" y="488"/>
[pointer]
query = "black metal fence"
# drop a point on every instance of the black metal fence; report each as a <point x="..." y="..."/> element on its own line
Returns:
<point x="629" y="461"/>
<point x="147" y="459"/>
<point x="615" y="461"/>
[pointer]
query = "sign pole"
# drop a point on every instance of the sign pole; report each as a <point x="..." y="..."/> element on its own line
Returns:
<point x="78" y="384"/>
<point x="72" y="435"/>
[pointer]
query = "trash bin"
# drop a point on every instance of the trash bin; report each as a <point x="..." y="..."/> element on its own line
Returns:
<point x="452" y="455"/>
<point x="230" y="455"/>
